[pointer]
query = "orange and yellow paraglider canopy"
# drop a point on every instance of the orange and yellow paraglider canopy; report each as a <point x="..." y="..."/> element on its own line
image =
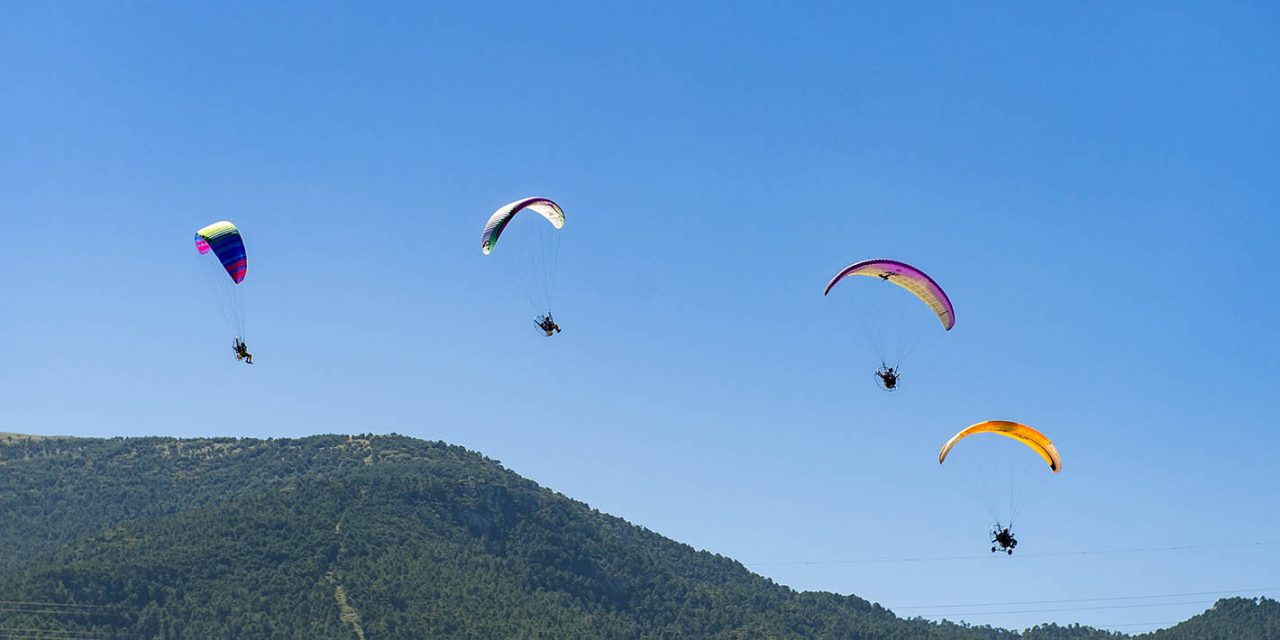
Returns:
<point x="1020" y="432"/>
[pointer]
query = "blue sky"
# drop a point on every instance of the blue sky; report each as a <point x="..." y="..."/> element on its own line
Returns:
<point x="1093" y="183"/>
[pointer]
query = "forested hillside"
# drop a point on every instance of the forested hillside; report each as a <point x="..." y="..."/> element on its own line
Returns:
<point x="389" y="537"/>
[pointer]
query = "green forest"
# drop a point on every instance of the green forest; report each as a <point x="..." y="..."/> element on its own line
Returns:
<point x="364" y="537"/>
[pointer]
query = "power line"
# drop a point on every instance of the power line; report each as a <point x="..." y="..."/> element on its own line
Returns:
<point x="54" y="634"/>
<point x="1151" y="549"/>
<point x="1061" y="609"/>
<point x="57" y="608"/>
<point x="61" y="632"/>
<point x="867" y="561"/>
<point x="45" y="634"/>
<point x="58" y="604"/>
<point x="1047" y="554"/>
<point x="47" y="610"/>
<point x="1098" y="599"/>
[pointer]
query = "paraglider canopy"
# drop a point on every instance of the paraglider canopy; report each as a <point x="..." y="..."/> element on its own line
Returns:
<point x="1020" y="432"/>
<point x="224" y="239"/>
<point x="502" y="217"/>
<point x="906" y="276"/>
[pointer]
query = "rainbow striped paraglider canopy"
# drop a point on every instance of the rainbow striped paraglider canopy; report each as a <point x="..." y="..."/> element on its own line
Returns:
<point x="223" y="238"/>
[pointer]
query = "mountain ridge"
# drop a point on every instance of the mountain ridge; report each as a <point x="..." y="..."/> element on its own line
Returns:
<point x="390" y="537"/>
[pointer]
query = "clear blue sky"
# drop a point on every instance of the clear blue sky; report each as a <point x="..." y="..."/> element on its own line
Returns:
<point x="1095" y="184"/>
